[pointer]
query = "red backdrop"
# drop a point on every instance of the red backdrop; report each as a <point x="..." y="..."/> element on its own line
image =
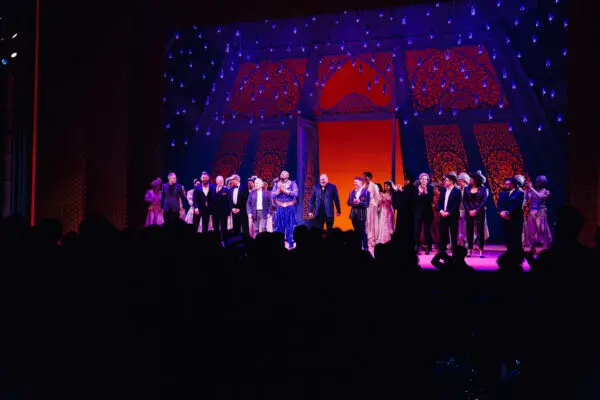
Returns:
<point x="349" y="148"/>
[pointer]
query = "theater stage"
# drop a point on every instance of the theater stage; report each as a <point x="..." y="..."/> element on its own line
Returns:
<point x="491" y="253"/>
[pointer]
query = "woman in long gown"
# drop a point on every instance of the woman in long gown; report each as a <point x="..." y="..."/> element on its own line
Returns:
<point x="189" y="218"/>
<point x="536" y="230"/>
<point x="154" y="197"/>
<point x="386" y="216"/>
<point x="228" y="184"/>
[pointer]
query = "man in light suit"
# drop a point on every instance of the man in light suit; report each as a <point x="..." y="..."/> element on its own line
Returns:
<point x="173" y="198"/>
<point x="322" y="200"/>
<point x="449" y="207"/>
<point x="259" y="206"/>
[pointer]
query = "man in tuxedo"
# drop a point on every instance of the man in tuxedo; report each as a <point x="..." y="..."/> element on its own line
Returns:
<point x="221" y="208"/>
<point x="324" y="196"/>
<point x="510" y="207"/>
<point x="237" y="203"/>
<point x="173" y="198"/>
<point x="204" y="200"/>
<point x="449" y="207"/>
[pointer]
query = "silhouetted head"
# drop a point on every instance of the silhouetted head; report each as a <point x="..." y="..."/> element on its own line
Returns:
<point x="569" y="223"/>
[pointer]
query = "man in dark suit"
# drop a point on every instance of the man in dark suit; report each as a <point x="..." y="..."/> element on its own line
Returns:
<point x="324" y="196"/>
<point x="173" y="198"/>
<point x="221" y="208"/>
<point x="237" y="203"/>
<point x="510" y="207"/>
<point x="204" y="200"/>
<point x="403" y="201"/>
<point x="449" y="207"/>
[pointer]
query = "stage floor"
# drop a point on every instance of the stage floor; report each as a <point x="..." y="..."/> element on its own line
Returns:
<point x="488" y="263"/>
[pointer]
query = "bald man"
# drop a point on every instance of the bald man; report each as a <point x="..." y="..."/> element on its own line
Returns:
<point x="322" y="200"/>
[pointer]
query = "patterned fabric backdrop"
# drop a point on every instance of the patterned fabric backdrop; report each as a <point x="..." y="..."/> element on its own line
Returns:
<point x="347" y="84"/>
<point x="500" y="155"/>
<point x="231" y="153"/>
<point x="309" y="177"/>
<point x="271" y="155"/>
<point x="272" y="88"/>
<point x="461" y="77"/>
<point x="445" y="150"/>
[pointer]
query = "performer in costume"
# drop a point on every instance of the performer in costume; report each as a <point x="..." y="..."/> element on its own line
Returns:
<point x="463" y="181"/>
<point x="474" y="199"/>
<point x="359" y="200"/>
<point x="271" y="218"/>
<point x="536" y="231"/>
<point x="373" y="210"/>
<point x="386" y="216"/>
<point x="189" y="218"/>
<point x="510" y="207"/>
<point x="285" y="195"/>
<point x="153" y="197"/>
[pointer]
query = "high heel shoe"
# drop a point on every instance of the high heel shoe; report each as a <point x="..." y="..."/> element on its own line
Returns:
<point x="481" y="254"/>
<point x="469" y="253"/>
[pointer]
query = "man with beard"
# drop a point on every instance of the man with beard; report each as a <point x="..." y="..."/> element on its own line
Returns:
<point x="286" y="194"/>
<point x="204" y="198"/>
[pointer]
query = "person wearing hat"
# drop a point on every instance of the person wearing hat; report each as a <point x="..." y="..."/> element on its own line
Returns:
<point x="449" y="207"/>
<point x="153" y="197"/>
<point x="510" y="208"/>
<point x="536" y="231"/>
<point x="238" y="197"/>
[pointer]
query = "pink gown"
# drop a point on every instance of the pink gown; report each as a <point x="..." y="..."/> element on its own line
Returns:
<point x="155" y="211"/>
<point x="386" y="219"/>
<point x="373" y="215"/>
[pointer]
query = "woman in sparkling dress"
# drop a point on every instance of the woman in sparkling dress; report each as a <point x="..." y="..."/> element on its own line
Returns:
<point x="153" y="197"/>
<point x="536" y="231"/>
<point x="386" y="216"/>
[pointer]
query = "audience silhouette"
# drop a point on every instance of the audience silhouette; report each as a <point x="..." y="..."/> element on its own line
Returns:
<point x="165" y="313"/>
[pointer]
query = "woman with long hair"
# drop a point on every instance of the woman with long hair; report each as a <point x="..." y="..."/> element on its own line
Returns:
<point x="386" y="216"/>
<point x="536" y="231"/>
<point x="474" y="199"/>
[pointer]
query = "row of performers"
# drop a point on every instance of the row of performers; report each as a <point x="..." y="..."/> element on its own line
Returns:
<point x="450" y="212"/>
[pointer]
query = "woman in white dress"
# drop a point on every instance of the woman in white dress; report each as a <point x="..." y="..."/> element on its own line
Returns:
<point x="189" y="218"/>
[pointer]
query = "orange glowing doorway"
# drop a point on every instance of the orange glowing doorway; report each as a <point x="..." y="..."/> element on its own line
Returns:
<point x="349" y="148"/>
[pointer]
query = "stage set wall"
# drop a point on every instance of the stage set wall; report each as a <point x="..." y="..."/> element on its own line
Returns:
<point x="347" y="95"/>
<point x="101" y="138"/>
